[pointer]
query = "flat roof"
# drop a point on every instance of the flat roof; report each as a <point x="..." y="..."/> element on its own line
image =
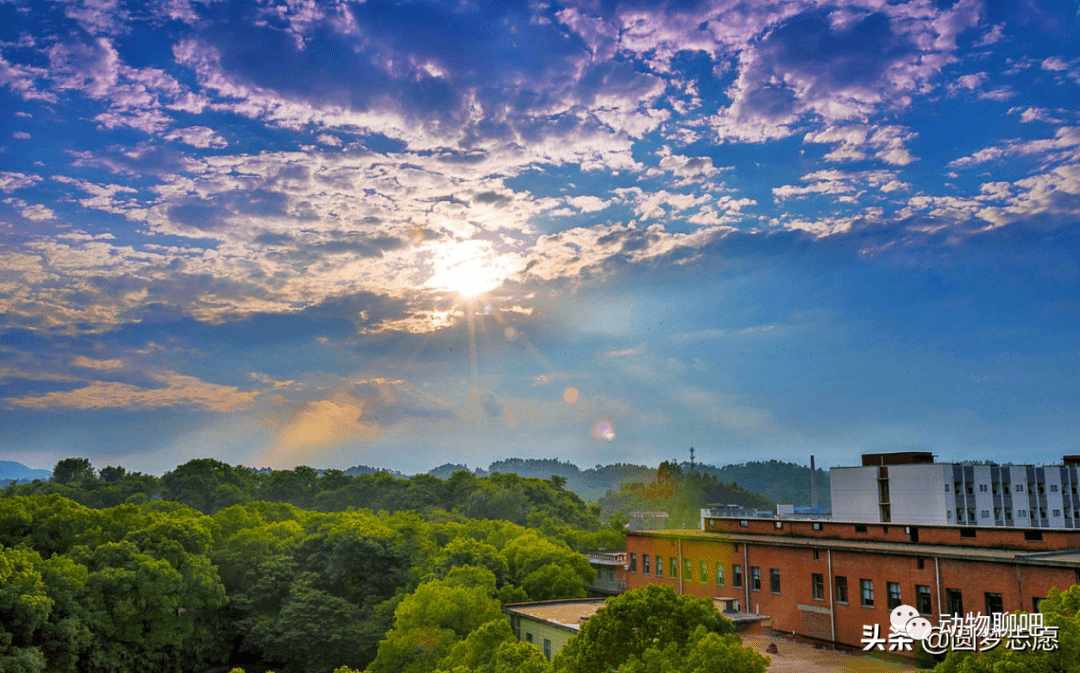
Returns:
<point x="571" y="614"/>
<point x="1069" y="558"/>
<point x="567" y="614"/>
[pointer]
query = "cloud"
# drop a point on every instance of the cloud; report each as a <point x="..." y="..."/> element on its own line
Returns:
<point x="836" y="183"/>
<point x="83" y="361"/>
<point x="177" y="390"/>
<point x="1064" y="146"/>
<point x="198" y="136"/>
<point x="10" y="181"/>
<point x="839" y="66"/>
<point x="858" y="142"/>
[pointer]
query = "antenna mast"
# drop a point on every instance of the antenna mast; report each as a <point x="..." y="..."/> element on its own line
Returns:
<point x="691" y="459"/>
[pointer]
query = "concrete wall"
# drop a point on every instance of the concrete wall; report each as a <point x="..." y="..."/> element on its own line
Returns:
<point x="917" y="494"/>
<point x="854" y="492"/>
<point x="540" y="630"/>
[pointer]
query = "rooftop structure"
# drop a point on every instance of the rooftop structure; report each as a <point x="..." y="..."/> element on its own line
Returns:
<point x="910" y="488"/>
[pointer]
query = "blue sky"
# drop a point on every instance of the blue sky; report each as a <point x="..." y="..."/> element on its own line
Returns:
<point x="404" y="234"/>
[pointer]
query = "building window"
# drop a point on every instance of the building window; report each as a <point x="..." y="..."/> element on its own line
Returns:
<point x="922" y="600"/>
<point x="994" y="488"/>
<point x="659" y="566"/>
<point x="817" y="555"/>
<point x="1019" y="488"/>
<point x="1021" y="513"/>
<point x="1042" y="489"/>
<point x="774" y="580"/>
<point x="611" y="574"/>
<point x="673" y="563"/>
<point x="1008" y="513"/>
<point x="688" y="570"/>
<point x="736" y="575"/>
<point x="920" y="563"/>
<point x="703" y="572"/>
<point x="633" y="563"/>
<point x="1035" y="603"/>
<point x="959" y="515"/>
<point x="1057" y="512"/>
<point x="985" y="514"/>
<point x="860" y="528"/>
<point x="948" y="514"/>
<point x="743" y="523"/>
<point x="755" y="578"/>
<point x="817" y="582"/>
<point x="866" y="588"/>
<point x="970" y="490"/>
<point x="719" y="574"/>
<point x="528" y="637"/>
<point x="968" y="533"/>
<point x="818" y="526"/>
<point x="841" y="589"/>
<point x="547" y="649"/>
<point x="736" y="547"/>
<point x="982" y="488"/>
<point x="955" y="601"/>
<point x="946" y="488"/>
<point x="994" y="604"/>
<point x="1033" y="535"/>
<point x="894" y="594"/>
<point x="645" y="564"/>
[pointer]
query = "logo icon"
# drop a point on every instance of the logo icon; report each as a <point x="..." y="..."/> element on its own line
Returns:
<point x="906" y="621"/>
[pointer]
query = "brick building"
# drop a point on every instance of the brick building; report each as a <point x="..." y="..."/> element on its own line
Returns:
<point x="827" y="579"/>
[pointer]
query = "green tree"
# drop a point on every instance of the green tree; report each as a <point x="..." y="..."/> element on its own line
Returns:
<point x="492" y="648"/>
<point x="434" y="618"/>
<point x="24" y="609"/>
<point x="652" y="617"/>
<point x="73" y="469"/>
<point x="547" y="569"/>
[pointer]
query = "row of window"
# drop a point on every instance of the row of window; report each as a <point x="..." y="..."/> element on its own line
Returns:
<point x="1019" y="488"/>
<point x="1020" y="514"/>
<point x="657" y="564"/>
<point x="923" y="597"/>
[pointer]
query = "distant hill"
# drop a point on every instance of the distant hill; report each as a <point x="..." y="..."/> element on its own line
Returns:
<point x="778" y="481"/>
<point x="12" y="471"/>
<point x="774" y="480"/>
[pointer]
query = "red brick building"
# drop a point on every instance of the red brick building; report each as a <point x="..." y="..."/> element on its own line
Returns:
<point x="827" y="579"/>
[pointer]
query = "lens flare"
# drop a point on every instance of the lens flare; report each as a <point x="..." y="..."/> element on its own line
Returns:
<point x="570" y="395"/>
<point x="604" y="430"/>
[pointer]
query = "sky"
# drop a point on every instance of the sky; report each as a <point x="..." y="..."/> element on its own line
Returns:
<point x="402" y="234"/>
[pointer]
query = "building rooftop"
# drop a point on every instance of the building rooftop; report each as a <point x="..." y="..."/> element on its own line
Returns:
<point x="569" y="613"/>
<point x="1068" y="558"/>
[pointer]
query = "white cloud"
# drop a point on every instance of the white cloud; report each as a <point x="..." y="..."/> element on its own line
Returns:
<point x="10" y="181"/>
<point x="198" y="136"/>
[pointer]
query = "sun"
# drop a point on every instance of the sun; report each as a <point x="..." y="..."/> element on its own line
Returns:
<point x="467" y="279"/>
<point x="469" y="268"/>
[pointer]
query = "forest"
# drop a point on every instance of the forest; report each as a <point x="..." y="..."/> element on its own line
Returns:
<point x="213" y="566"/>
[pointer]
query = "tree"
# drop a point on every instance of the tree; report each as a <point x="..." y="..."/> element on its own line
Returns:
<point x="434" y="618"/>
<point x="653" y="617"/>
<point x="112" y="474"/>
<point x="71" y="470"/>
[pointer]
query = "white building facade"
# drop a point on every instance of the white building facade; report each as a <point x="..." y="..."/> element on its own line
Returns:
<point x="894" y="488"/>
